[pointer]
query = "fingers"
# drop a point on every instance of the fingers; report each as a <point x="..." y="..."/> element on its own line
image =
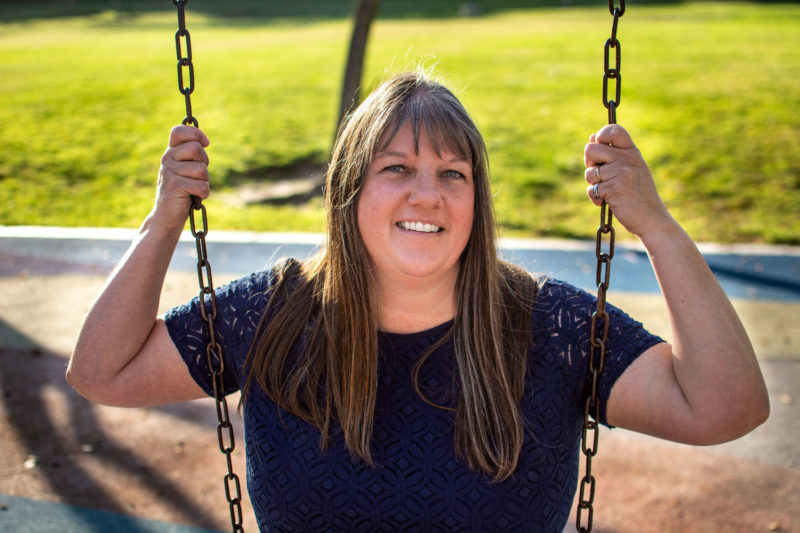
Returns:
<point x="595" y="193"/>
<point x="186" y="155"/>
<point x="181" y="134"/>
<point x="598" y="174"/>
<point x="617" y="174"/>
<point x="607" y="145"/>
<point x="609" y="154"/>
<point x="184" y="165"/>
<point x="186" y="144"/>
<point x="188" y="160"/>
<point x="183" y="174"/>
<point x="175" y="185"/>
<point x="595" y="154"/>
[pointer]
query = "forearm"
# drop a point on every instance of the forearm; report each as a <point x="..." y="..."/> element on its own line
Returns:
<point x="121" y="318"/>
<point x="713" y="360"/>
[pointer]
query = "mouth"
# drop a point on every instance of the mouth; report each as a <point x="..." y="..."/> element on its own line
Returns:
<point x="419" y="227"/>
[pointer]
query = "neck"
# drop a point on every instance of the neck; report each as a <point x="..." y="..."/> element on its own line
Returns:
<point x="411" y="306"/>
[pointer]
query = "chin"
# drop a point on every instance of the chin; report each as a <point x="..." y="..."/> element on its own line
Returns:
<point x="425" y="271"/>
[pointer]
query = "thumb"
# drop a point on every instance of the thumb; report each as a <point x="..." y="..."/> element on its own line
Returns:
<point x="615" y="135"/>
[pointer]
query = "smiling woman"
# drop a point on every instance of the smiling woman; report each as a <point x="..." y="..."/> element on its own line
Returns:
<point x="405" y="378"/>
<point x="408" y="156"/>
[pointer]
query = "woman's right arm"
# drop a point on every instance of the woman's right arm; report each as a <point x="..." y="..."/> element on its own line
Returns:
<point x="124" y="355"/>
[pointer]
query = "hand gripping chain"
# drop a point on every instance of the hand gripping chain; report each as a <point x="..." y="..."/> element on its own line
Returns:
<point x="208" y="301"/>
<point x="600" y="319"/>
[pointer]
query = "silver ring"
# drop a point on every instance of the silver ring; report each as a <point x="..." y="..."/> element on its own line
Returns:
<point x="595" y="194"/>
<point x="597" y="173"/>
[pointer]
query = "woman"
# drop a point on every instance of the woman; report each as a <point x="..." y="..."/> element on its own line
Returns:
<point x="404" y="378"/>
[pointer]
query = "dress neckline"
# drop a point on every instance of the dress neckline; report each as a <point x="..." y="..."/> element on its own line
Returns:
<point x="439" y="329"/>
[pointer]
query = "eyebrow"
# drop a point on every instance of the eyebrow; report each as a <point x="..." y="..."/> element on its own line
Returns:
<point x="389" y="154"/>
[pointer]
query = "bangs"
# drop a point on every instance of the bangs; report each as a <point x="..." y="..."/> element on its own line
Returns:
<point x="447" y="128"/>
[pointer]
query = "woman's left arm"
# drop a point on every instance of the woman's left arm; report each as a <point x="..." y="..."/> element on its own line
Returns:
<point x="706" y="387"/>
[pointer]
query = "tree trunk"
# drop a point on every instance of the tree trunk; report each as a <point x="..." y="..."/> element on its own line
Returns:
<point x="363" y="13"/>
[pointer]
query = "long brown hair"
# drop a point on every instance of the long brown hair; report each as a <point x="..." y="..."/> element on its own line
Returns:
<point x="315" y="353"/>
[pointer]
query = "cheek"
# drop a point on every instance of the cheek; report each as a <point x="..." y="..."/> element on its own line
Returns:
<point x="467" y="214"/>
<point x="368" y="213"/>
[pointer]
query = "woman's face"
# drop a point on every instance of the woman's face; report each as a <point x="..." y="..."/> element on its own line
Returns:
<point x="415" y="210"/>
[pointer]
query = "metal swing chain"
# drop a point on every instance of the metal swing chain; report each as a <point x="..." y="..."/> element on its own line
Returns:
<point x="600" y="318"/>
<point x="214" y="356"/>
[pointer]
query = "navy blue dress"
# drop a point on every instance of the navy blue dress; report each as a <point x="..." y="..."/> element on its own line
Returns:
<point x="417" y="483"/>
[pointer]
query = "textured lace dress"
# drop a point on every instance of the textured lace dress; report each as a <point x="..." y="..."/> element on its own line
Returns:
<point x="417" y="483"/>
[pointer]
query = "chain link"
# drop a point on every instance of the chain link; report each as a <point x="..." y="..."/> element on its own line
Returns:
<point x="613" y="73"/>
<point x="185" y="61"/>
<point x="600" y="319"/>
<point x="208" y="300"/>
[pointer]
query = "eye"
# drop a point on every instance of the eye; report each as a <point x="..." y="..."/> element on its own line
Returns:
<point x="395" y="168"/>
<point x="453" y="174"/>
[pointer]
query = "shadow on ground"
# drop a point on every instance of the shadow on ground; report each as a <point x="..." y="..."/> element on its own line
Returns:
<point x="60" y="447"/>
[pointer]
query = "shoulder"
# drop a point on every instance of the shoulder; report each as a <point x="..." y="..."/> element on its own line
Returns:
<point x="563" y="310"/>
<point x="555" y="292"/>
<point x="248" y="292"/>
<point x="286" y="272"/>
<point x="565" y="305"/>
<point x="518" y="284"/>
<point x="548" y="302"/>
<point x="285" y="277"/>
<point x="260" y="285"/>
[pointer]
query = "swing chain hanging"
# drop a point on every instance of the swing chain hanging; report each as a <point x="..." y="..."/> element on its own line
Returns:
<point x="610" y="73"/>
<point x="600" y="319"/>
<point x="185" y="62"/>
<point x="208" y="300"/>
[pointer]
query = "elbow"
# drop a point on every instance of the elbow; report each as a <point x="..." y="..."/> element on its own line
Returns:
<point x="76" y="379"/>
<point x="736" y="409"/>
<point x="72" y="376"/>
<point x="761" y="410"/>
<point x="98" y="387"/>
<point x="739" y="418"/>
<point x="86" y="383"/>
<point x="754" y="409"/>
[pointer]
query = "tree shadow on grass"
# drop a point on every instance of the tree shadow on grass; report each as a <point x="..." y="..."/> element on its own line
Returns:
<point x="30" y="380"/>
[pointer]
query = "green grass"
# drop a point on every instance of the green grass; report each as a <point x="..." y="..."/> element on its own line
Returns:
<point x="711" y="94"/>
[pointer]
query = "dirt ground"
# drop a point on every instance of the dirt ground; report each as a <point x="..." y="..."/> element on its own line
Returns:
<point x="164" y="464"/>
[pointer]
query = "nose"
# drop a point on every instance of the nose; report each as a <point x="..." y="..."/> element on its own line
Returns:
<point x="425" y="190"/>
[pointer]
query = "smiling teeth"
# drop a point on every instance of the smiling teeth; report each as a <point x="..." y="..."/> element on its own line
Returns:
<point x="419" y="226"/>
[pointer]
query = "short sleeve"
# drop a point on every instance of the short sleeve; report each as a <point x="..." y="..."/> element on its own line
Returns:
<point x="567" y="313"/>
<point x="239" y="307"/>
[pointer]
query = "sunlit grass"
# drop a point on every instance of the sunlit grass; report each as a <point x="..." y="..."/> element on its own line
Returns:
<point x="711" y="94"/>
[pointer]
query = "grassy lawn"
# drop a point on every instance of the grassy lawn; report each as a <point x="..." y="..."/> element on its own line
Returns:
<point x="711" y="94"/>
